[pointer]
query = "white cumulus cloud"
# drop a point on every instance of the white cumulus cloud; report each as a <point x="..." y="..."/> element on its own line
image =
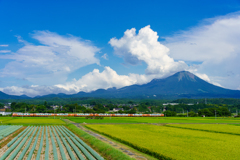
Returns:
<point x="105" y="56"/>
<point x="4" y="51"/>
<point x="3" y="45"/>
<point x="108" y="78"/>
<point x="215" y="45"/>
<point x="145" y="47"/>
<point x="51" y="61"/>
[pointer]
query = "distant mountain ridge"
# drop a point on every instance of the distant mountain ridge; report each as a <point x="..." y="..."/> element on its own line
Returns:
<point x="6" y="96"/>
<point x="180" y="85"/>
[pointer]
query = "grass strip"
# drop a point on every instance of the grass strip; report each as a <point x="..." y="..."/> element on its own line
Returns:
<point x="106" y="150"/>
<point x="205" y="130"/>
<point x="141" y="149"/>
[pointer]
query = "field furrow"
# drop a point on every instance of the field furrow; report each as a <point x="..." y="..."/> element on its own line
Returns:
<point x="42" y="142"/>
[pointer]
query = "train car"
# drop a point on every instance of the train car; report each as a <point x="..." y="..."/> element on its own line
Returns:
<point x="42" y="114"/>
<point x="22" y="114"/>
<point x="63" y="114"/>
<point x="137" y="115"/>
<point x="103" y="115"/>
<point x="157" y="115"/>
<point x="81" y="114"/>
<point x="84" y="115"/>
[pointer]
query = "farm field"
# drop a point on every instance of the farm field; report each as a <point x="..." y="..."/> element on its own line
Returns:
<point x="218" y="128"/>
<point x="175" y="143"/>
<point x="6" y="130"/>
<point x="47" y="142"/>
<point x="155" y="120"/>
<point x="33" y="121"/>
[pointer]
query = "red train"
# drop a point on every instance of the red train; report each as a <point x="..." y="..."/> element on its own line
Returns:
<point x="84" y="115"/>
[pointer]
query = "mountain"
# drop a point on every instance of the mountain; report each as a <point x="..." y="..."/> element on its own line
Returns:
<point x="6" y="96"/>
<point x="180" y="85"/>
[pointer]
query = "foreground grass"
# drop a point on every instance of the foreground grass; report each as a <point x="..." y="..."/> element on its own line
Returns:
<point x="155" y="120"/>
<point x="167" y="142"/>
<point x="34" y="121"/>
<point x="107" y="151"/>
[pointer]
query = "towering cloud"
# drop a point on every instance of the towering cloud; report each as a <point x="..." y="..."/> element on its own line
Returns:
<point x="213" y="46"/>
<point x="145" y="47"/>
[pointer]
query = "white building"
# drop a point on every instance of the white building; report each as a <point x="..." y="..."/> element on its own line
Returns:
<point x="5" y="113"/>
<point x="172" y="104"/>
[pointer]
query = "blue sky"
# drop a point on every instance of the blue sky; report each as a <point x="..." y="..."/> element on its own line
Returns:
<point x="61" y="46"/>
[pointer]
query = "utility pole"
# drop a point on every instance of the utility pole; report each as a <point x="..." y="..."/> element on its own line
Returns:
<point x="187" y="113"/>
<point x="54" y="111"/>
<point x="215" y="114"/>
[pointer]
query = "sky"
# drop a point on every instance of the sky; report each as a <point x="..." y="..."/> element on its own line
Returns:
<point x="71" y="46"/>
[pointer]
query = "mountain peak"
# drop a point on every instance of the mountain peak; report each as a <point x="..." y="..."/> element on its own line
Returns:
<point x="185" y="74"/>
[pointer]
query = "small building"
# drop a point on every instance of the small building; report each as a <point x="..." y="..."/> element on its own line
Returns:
<point x="172" y="104"/>
<point x="2" y="109"/>
<point x="117" y="109"/>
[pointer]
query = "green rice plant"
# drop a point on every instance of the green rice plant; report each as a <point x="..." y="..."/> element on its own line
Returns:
<point x="173" y="143"/>
<point x="134" y="120"/>
<point x="35" y="121"/>
<point x="216" y="128"/>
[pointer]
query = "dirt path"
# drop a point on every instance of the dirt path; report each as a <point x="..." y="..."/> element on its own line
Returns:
<point x="127" y="150"/>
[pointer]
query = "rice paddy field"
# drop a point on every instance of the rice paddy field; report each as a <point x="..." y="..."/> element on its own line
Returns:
<point x="34" y="121"/>
<point x="31" y="120"/>
<point x="155" y="120"/>
<point x="177" y="143"/>
<point x="217" y="128"/>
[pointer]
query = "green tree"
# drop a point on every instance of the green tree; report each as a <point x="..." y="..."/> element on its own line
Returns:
<point x="192" y="114"/>
<point x="169" y="113"/>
